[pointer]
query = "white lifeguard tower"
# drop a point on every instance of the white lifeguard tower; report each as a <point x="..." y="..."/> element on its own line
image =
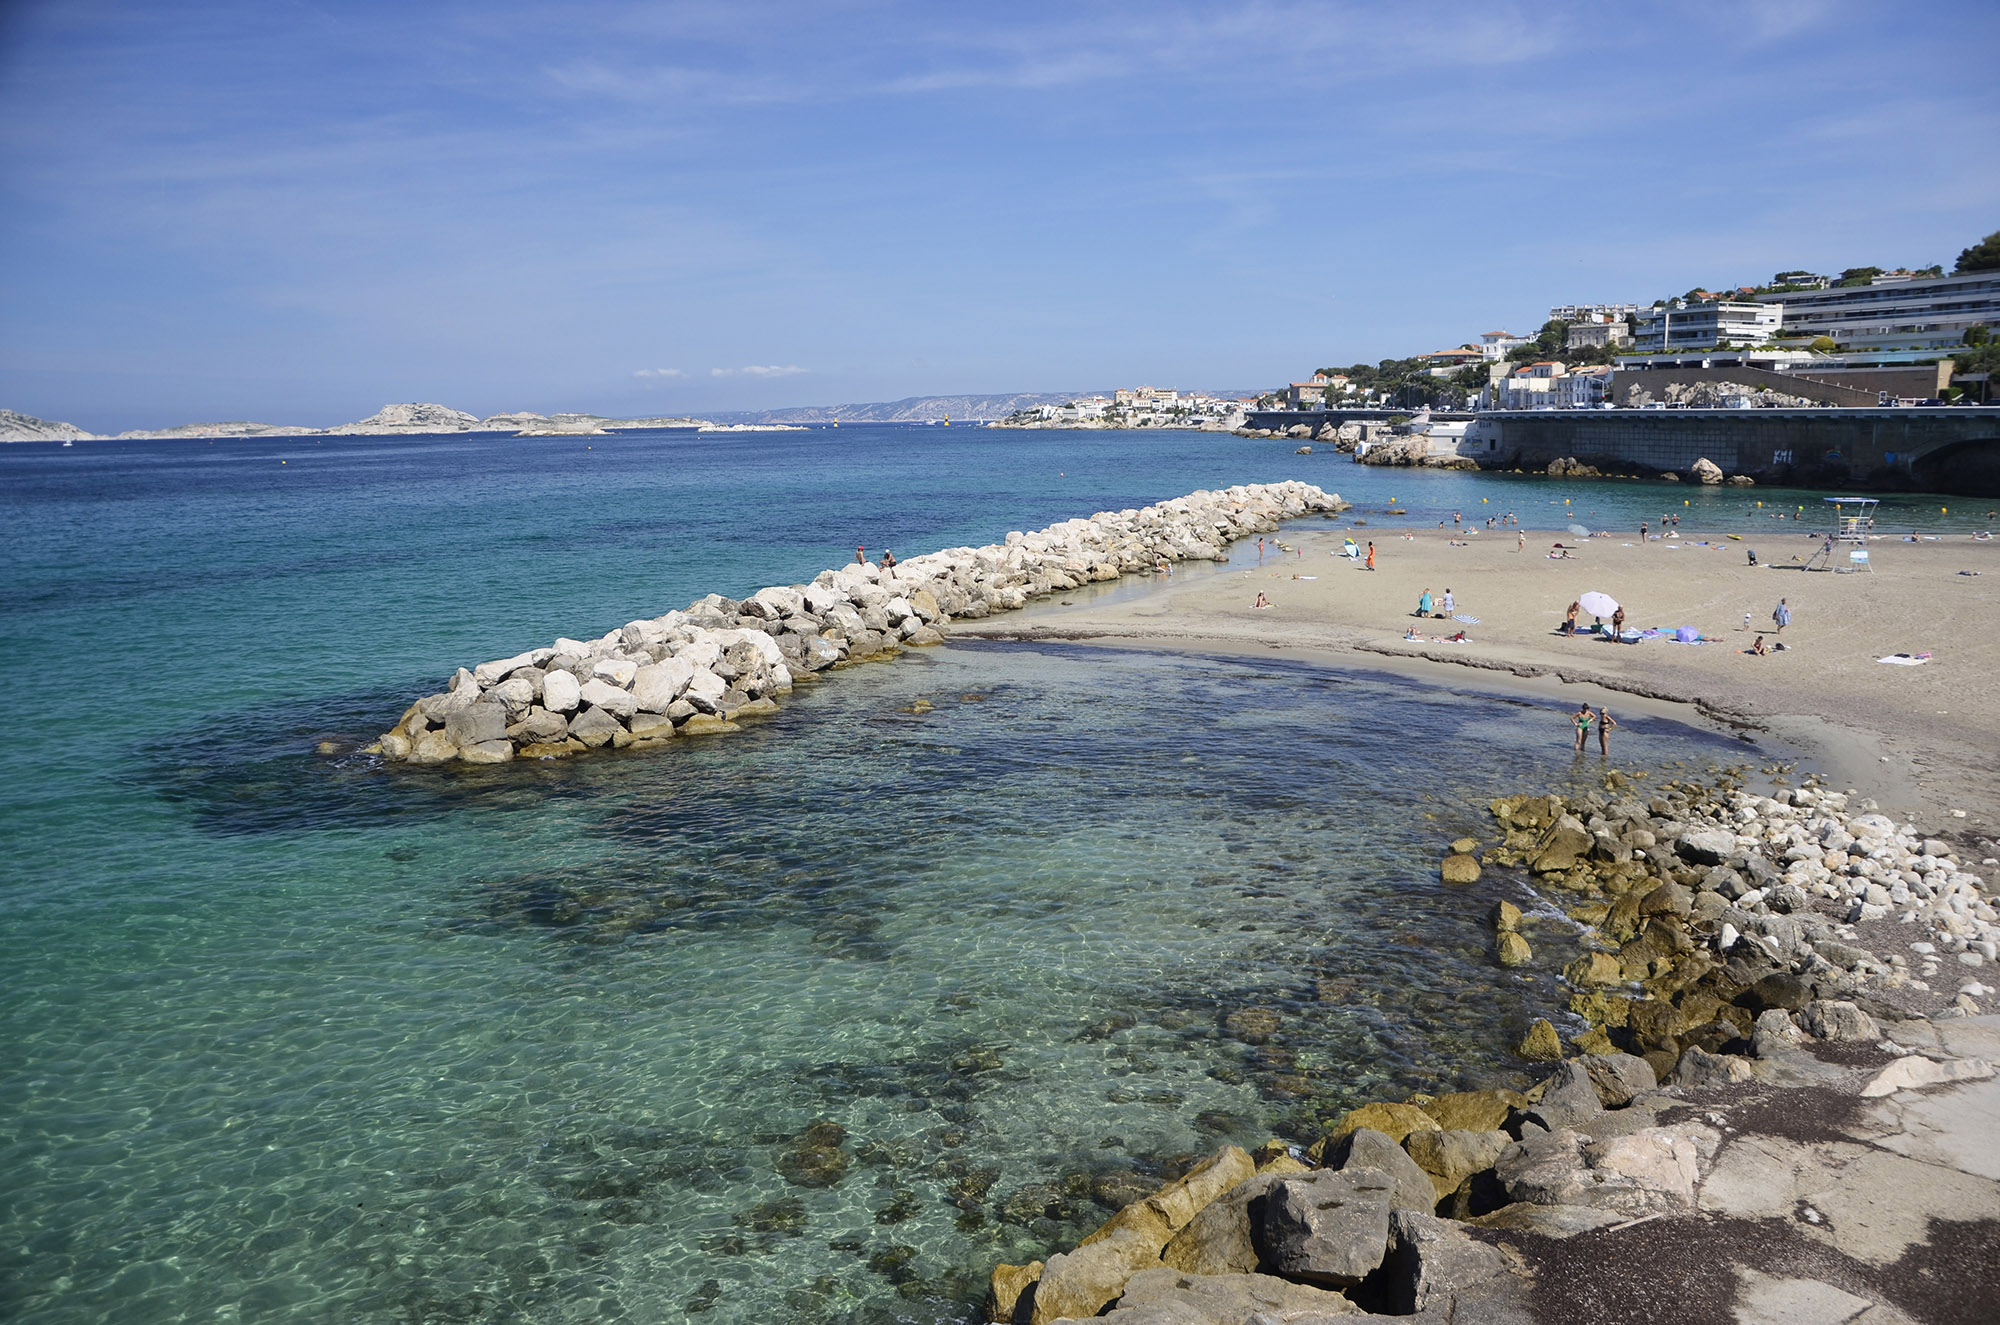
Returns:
<point x="1853" y="523"/>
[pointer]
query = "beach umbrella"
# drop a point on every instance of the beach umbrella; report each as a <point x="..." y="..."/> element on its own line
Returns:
<point x="1598" y="604"/>
<point x="1579" y="531"/>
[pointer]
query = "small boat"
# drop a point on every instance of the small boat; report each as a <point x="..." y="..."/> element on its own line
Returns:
<point x="69" y="441"/>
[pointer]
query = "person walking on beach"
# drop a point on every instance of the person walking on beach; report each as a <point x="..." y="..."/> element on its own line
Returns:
<point x="1642" y="531"/>
<point x="1604" y="726"/>
<point x="1371" y="554"/>
<point x="1520" y="540"/>
<point x="1582" y="720"/>
<point x="1782" y="615"/>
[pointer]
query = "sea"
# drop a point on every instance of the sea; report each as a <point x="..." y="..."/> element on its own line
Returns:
<point x="812" y="1023"/>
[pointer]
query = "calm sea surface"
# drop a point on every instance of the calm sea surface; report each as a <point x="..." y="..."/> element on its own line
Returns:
<point x="294" y="1038"/>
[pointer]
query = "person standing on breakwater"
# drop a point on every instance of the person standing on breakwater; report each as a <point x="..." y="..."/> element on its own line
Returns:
<point x="1782" y="615"/>
<point x="1604" y="726"/>
<point x="860" y="555"/>
<point x="1582" y="720"/>
<point x="1371" y="554"/>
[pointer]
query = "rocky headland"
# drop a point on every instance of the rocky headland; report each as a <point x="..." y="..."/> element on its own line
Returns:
<point x="18" y="427"/>
<point x="1775" y="1104"/>
<point x="704" y="668"/>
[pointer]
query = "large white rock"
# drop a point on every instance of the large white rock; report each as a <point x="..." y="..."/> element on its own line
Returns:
<point x="701" y="652"/>
<point x="821" y="599"/>
<point x="661" y="684"/>
<point x="1916" y="1070"/>
<point x="575" y="648"/>
<point x="560" y="693"/>
<point x="767" y="648"/>
<point x="705" y="689"/>
<point x="615" y="700"/>
<point x="489" y="673"/>
<point x="618" y="671"/>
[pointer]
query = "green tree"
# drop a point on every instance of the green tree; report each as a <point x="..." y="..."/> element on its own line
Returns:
<point x="1977" y="335"/>
<point x="1859" y="275"/>
<point x="1822" y="345"/>
<point x="1983" y="256"/>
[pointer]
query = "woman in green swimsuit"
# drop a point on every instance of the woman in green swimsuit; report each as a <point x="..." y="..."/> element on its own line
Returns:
<point x="1582" y="717"/>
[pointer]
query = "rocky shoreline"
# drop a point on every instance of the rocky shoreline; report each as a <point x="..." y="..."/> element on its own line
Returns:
<point x="703" y="669"/>
<point x="1781" y="1001"/>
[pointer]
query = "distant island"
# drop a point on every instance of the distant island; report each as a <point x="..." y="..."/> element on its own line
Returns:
<point x="412" y="419"/>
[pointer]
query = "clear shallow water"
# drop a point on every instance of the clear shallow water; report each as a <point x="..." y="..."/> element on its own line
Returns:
<point x="290" y="1038"/>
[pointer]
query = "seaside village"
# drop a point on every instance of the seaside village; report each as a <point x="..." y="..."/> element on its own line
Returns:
<point x="1866" y="336"/>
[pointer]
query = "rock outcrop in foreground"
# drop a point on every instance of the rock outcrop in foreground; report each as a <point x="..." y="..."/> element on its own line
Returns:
<point x="1762" y="1121"/>
<point x="701" y="669"/>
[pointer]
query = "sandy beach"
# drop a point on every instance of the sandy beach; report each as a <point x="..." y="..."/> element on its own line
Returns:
<point x="1919" y="739"/>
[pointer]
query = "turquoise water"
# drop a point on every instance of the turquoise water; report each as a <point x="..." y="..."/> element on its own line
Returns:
<point x="296" y="1038"/>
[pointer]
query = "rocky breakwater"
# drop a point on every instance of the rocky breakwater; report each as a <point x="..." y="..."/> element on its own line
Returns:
<point x="1779" y="1106"/>
<point x="703" y="668"/>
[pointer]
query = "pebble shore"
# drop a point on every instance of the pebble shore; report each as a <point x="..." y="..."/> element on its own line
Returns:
<point x="703" y="669"/>
<point x="1776" y="1031"/>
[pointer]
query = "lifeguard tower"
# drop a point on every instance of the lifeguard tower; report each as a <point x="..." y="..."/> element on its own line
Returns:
<point x="1846" y="548"/>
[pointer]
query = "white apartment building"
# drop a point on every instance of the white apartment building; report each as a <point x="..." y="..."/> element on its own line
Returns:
<point x="1531" y="386"/>
<point x="1704" y="326"/>
<point x="1597" y="335"/>
<point x="1494" y="345"/>
<point x="1592" y="312"/>
<point x="1894" y="311"/>
<point x="1584" y="388"/>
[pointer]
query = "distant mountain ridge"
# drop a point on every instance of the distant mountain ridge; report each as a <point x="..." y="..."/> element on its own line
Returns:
<point x="911" y="409"/>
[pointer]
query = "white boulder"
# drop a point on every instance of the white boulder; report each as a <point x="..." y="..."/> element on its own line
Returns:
<point x="560" y="693"/>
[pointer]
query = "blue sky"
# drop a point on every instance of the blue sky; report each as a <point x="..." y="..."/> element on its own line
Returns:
<point x="297" y="212"/>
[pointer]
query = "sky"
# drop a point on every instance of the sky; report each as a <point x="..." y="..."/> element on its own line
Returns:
<point x="296" y="212"/>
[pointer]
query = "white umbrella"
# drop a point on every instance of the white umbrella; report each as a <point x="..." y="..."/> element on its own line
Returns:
<point x="1579" y="531"/>
<point x="1598" y="604"/>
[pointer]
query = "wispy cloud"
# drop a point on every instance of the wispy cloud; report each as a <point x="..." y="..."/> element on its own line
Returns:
<point x="758" y="370"/>
<point x="660" y="372"/>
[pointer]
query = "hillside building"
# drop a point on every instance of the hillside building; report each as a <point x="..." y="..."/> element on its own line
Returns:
<point x="1893" y="311"/>
<point x="1707" y="325"/>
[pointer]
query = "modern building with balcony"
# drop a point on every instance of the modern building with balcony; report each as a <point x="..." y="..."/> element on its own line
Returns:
<point x="1894" y="311"/>
<point x="1678" y="326"/>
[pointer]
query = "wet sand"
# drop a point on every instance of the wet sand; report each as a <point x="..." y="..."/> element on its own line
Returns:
<point x="1922" y="740"/>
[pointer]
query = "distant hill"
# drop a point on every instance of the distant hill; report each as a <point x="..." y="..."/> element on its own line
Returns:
<point x="18" y="427"/>
<point x="913" y="409"/>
